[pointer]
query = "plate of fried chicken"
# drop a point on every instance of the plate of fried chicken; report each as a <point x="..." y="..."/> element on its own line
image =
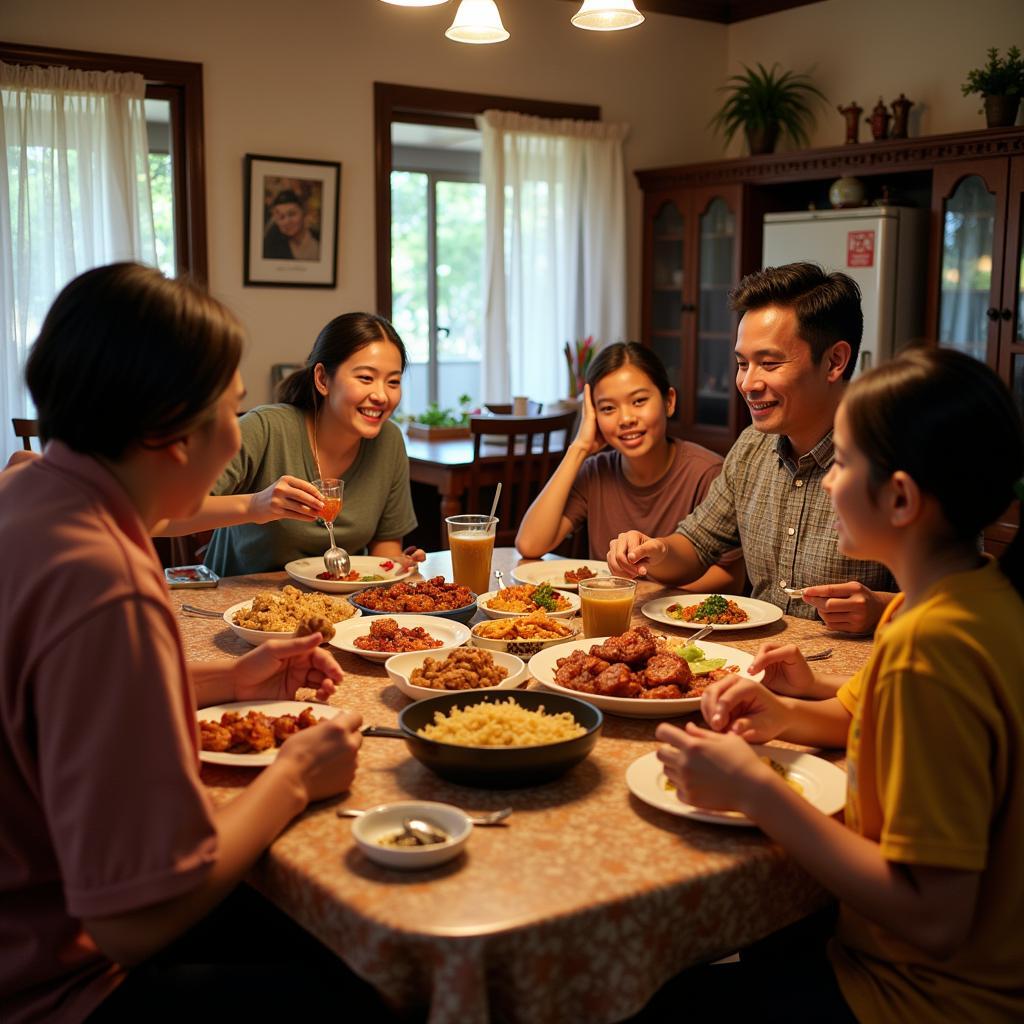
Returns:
<point x="249" y="733"/>
<point x="638" y="674"/>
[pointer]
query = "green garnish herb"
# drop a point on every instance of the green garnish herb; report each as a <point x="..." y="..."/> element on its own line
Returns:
<point x="712" y="607"/>
<point x="544" y="597"/>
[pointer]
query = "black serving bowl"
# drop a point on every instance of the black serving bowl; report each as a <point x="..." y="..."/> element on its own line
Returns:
<point x="487" y="767"/>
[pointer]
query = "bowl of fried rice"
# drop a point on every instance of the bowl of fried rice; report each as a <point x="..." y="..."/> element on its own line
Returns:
<point x="527" y="598"/>
<point x="522" y="635"/>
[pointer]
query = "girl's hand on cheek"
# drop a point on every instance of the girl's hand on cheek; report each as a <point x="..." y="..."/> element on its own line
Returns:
<point x="589" y="435"/>
<point x="718" y="772"/>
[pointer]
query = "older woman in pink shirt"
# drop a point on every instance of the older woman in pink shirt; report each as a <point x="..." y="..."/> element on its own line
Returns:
<point x="110" y="847"/>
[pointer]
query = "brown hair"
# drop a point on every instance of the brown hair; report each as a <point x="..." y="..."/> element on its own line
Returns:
<point x="613" y="357"/>
<point x="127" y="356"/>
<point x="826" y="306"/>
<point x="340" y="339"/>
<point x="950" y="423"/>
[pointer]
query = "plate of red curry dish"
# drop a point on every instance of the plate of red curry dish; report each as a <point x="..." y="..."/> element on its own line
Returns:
<point x="694" y="611"/>
<point x="429" y="597"/>
<point x="638" y="674"/>
<point x="378" y="637"/>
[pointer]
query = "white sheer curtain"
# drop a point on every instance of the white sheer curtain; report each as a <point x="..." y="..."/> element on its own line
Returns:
<point x="555" y="266"/>
<point x="74" y="194"/>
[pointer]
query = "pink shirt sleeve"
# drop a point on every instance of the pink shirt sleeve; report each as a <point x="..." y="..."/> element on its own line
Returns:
<point x="130" y="822"/>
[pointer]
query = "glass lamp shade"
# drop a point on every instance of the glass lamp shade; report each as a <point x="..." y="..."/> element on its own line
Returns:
<point x="477" y="21"/>
<point x="607" y="15"/>
<point x="416" y="3"/>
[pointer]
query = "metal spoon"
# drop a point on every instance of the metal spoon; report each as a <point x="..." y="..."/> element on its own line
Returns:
<point x="207" y="612"/>
<point x="490" y="818"/>
<point x="336" y="560"/>
<point x="819" y="655"/>
<point x="795" y="592"/>
<point x="699" y="635"/>
<point x="500" y="577"/>
<point x="423" y="832"/>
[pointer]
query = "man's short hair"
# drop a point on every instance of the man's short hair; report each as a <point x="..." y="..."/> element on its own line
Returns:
<point x="826" y="306"/>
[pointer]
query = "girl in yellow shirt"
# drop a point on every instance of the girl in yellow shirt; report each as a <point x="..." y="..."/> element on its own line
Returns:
<point x="929" y="449"/>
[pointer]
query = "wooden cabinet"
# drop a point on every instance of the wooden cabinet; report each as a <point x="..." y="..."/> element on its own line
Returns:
<point x="977" y="263"/>
<point x="692" y="260"/>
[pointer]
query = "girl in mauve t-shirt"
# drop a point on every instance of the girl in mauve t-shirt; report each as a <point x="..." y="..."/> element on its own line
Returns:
<point x="623" y="471"/>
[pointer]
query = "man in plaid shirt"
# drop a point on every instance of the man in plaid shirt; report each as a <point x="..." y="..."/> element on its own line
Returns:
<point x="796" y="348"/>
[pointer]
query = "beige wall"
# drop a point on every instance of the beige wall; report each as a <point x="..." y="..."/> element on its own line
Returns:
<point x="297" y="80"/>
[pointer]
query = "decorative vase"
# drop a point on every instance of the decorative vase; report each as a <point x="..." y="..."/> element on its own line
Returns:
<point x="879" y="121"/>
<point x="761" y="138"/>
<point x="1001" y="111"/>
<point x="900" y="113"/>
<point x="852" y="114"/>
<point x="846" y="192"/>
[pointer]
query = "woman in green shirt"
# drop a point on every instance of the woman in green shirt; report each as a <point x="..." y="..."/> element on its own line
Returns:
<point x="332" y="421"/>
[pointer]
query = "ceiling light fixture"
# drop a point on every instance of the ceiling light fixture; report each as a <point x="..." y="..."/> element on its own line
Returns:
<point x="477" y="21"/>
<point x="607" y="15"/>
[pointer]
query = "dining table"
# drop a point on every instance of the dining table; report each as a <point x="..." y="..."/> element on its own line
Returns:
<point x="579" y="908"/>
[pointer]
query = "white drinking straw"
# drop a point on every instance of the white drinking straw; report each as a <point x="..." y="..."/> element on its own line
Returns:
<point x="497" y="495"/>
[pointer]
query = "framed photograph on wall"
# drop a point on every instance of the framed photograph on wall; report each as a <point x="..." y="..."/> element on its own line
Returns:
<point x="291" y="222"/>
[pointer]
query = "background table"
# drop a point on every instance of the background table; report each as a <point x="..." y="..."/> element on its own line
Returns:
<point x="579" y="910"/>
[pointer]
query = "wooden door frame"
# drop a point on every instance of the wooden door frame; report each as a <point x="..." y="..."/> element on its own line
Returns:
<point x="415" y="105"/>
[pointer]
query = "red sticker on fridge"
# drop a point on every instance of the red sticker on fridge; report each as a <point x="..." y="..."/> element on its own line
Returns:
<point x="860" y="249"/>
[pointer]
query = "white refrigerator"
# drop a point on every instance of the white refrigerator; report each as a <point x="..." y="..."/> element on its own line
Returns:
<point x="883" y="248"/>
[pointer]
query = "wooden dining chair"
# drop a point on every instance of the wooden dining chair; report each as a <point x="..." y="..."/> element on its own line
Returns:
<point x="26" y="430"/>
<point x="531" y="448"/>
<point x="505" y="409"/>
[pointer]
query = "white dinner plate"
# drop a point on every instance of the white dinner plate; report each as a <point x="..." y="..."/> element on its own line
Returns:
<point x="543" y="665"/>
<point x="304" y="570"/>
<point x="823" y="785"/>
<point x="268" y="707"/>
<point x="553" y="571"/>
<point x="259" y="636"/>
<point x="497" y="613"/>
<point x="761" y="612"/>
<point x="451" y="634"/>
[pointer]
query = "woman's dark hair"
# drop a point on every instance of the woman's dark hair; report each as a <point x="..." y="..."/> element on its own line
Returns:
<point x="128" y="356"/>
<point x="287" y="196"/>
<point x="622" y="353"/>
<point x="950" y="423"/>
<point x="826" y="306"/>
<point x="340" y="339"/>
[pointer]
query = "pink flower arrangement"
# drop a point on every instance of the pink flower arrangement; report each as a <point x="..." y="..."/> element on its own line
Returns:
<point x="578" y="355"/>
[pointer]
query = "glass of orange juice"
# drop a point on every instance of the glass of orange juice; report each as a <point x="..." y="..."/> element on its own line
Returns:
<point x="471" y="539"/>
<point x="332" y="490"/>
<point x="607" y="605"/>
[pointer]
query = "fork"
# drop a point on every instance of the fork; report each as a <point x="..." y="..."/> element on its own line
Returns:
<point x="699" y="635"/>
<point x="490" y="818"/>
<point x="819" y="655"/>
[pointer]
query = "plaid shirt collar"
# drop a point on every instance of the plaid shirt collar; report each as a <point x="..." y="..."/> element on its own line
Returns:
<point x="822" y="453"/>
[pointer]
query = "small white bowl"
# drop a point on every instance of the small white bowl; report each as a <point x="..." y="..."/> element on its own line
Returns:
<point x="387" y="819"/>
<point x="400" y="668"/>
<point x="495" y="613"/>
<point x="260" y="636"/>
<point x="452" y="634"/>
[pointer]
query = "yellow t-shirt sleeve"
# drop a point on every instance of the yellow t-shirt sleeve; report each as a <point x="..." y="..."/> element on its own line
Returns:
<point x="849" y="693"/>
<point x="936" y="811"/>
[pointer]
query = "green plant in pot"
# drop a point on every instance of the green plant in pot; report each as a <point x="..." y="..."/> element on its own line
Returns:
<point x="1000" y="84"/>
<point x="768" y="105"/>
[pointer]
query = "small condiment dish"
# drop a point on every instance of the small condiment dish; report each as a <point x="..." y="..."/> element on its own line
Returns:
<point x="400" y="668"/>
<point x="386" y="820"/>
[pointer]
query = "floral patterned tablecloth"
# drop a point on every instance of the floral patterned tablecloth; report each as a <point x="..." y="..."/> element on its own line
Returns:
<point x="579" y="910"/>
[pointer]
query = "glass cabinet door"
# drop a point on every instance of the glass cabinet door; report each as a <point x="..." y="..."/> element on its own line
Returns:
<point x="968" y="228"/>
<point x="667" y="281"/>
<point x="715" y="363"/>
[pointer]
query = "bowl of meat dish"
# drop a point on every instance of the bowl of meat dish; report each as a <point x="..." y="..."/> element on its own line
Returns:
<point x="379" y="637"/>
<point x="430" y="597"/>
<point x="381" y="834"/>
<point x="290" y="612"/>
<point x="503" y="739"/>
<point x="250" y="733"/>
<point x="522" y="635"/>
<point x="638" y="674"/>
<point x="425" y="674"/>
<point x="527" y="598"/>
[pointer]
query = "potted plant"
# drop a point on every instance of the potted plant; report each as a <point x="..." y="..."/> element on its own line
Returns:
<point x="436" y="423"/>
<point x="1000" y="83"/>
<point x="767" y="104"/>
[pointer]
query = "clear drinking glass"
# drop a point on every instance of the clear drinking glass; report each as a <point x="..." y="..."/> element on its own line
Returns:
<point x="471" y="539"/>
<point x="607" y="605"/>
<point x="332" y="490"/>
